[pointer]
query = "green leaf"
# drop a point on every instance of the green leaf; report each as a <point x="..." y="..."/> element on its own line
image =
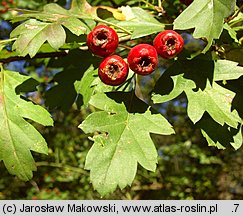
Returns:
<point x="180" y="84"/>
<point x="142" y="25"/>
<point x="235" y="23"/>
<point x="237" y="87"/>
<point x="215" y="100"/>
<point x="118" y="145"/>
<point x="17" y="136"/>
<point x="211" y="142"/>
<point x="84" y="87"/>
<point x="65" y="18"/>
<point x="73" y="67"/>
<point x="199" y="70"/>
<point x="207" y="17"/>
<point x="196" y="73"/>
<point x="74" y="25"/>
<point x="81" y="7"/>
<point x="227" y="70"/>
<point x="238" y="140"/>
<point x="55" y="9"/>
<point x="56" y="14"/>
<point x="5" y="54"/>
<point x="232" y="32"/>
<point x="33" y="34"/>
<point x="55" y="36"/>
<point x="219" y="102"/>
<point x="220" y="136"/>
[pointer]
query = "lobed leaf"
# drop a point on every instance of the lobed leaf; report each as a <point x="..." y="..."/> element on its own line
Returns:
<point x="215" y="100"/>
<point x="188" y="75"/>
<point x="84" y="87"/>
<point x="232" y="32"/>
<point x="238" y="139"/>
<point x="17" y="136"/>
<point x="207" y="17"/>
<point x="74" y="66"/>
<point x="76" y="26"/>
<point x="81" y="7"/>
<point x="180" y="84"/>
<point x="220" y="136"/>
<point x="227" y="70"/>
<point x="118" y="146"/>
<point x="141" y="25"/>
<point x="32" y="34"/>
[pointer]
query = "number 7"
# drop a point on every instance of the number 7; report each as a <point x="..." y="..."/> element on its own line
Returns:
<point x="236" y="207"/>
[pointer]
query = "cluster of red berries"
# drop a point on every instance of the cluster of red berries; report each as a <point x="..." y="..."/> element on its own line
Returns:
<point x="142" y="59"/>
<point x="6" y="4"/>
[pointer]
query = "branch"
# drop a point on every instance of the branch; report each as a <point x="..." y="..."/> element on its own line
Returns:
<point x="61" y="166"/>
<point x="121" y="39"/>
<point x="112" y="24"/>
<point x="235" y="15"/>
<point x="52" y="54"/>
<point x="124" y="38"/>
<point x="38" y="55"/>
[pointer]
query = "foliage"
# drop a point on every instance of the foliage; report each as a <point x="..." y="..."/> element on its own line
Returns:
<point x="123" y="147"/>
<point x="207" y="75"/>
<point x="15" y="149"/>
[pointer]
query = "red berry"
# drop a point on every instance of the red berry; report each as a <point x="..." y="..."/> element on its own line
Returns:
<point x="10" y="1"/>
<point x="186" y="2"/>
<point x="143" y="59"/>
<point x="113" y="70"/>
<point x="168" y="44"/>
<point x="4" y="11"/>
<point x="4" y="3"/>
<point x="102" y="40"/>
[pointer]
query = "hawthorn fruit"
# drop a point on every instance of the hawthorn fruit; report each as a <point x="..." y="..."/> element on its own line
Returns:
<point x="143" y="59"/>
<point x="113" y="70"/>
<point x="168" y="44"/>
<point x="102" y="40"/>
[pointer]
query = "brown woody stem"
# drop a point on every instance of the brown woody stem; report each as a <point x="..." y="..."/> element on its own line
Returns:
<point x="38" y="55"/>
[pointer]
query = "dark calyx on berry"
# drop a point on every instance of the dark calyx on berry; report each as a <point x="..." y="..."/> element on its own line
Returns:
<point x="101" y="37"/>
<point x="143" y="59"/>
<point x="102" y="40"/>
<point x="168" y="44"/>
<point x="113" y="70"/>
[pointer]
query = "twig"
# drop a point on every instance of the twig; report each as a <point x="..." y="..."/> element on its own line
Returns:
<point x="154" y="186"/>
<point x="35" y="185"/>
<point x="7" y="40"/>
<point x="110" y="23"/>
<point x="158" y="8"/>
<point x="52" y="54"/>
<point x="38" y="55"/>
<point x="235" y="15"/>
<point x="125" y="38"/>
<point x="59" y="165"/>
<point x="124" y="46"/>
